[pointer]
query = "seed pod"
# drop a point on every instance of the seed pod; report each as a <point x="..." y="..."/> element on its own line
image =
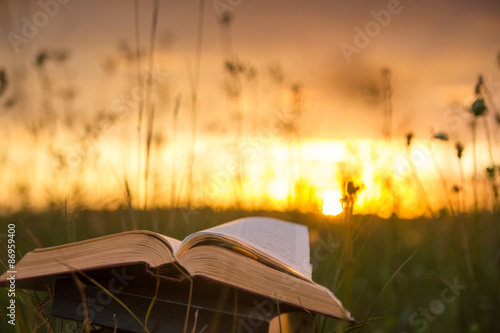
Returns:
<point x="409" y="137"/>
<point x="3" y="81"/>
<point x="460" y="149"/>
<point x="478" y="107"/>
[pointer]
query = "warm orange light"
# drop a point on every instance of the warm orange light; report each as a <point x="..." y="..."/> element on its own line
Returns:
<point x="278" y="189"/>
<point x="331" y="203"/>
<point x="273" y="175"/>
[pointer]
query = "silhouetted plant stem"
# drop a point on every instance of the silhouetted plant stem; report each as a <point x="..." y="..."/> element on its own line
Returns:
<point x="149" y="139"/>
<point x="348" y="258"/>
<point x="474" y="176"/>
<point x="444" y="183"/>
<point x="460" y="218"/>
<point x="419" y="184"/>
<point x="478" y="110"/>
<point x="488" y="139"/>
<point x="492" y="169"/>
<point x="194" y="100"/>
<point x="476" y="244"/>
<point x="348" y="200"/>
<point x="462" y="177"/>
<point x="140" y="107"/>
<point x="149" y="106"/>
<point x="173" y="198"/>
<point x="226" y="39"/>
<point x="388" y="115"/>
<point x="492" y="105"/>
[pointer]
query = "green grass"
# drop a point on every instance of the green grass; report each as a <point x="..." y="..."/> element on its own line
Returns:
<point x="412" y="301"/>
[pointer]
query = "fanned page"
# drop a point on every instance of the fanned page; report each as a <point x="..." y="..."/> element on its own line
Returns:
<point x="174" y="243"/>
<point x="284" y="241"/>
<point x="124" y="248"/>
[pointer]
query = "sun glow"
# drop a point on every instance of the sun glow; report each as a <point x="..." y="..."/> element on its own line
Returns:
<point x="274" y="175"/>
<point x="331" y="203"/>
<point x="278" y="189"/>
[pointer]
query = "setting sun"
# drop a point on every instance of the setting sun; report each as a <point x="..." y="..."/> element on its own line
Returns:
<point x="331" y="203"/>
<point x="373" y="125"/>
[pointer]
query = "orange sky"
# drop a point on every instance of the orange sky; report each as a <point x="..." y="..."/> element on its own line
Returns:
<point x="435" y="50"/>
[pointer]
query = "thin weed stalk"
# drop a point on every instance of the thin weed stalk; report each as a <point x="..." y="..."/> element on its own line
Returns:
<point x="70" y="223"/>
<point x="474" y="176"/>
<point x="460" y="148"/>
<point x="414" y="173"/>
<point x="492" y="169"/>
<point x="173" y="189"/>
<point x="349" y="199"/>
<point x="385" y="287"/>
<point x="81" y="290"/>
<point x="488" y="139"/>
<point x="476" y="243"/>
<point x="195" y="82"/>
<point x="140" y="104"/>
<point x="153" y="300"/>
<point x="444" y="183"/>
<point x="81" y="285"/>
<point x="388" y="127"/>
<point x="149" y="140"/>
<point x="186" y="319"/>
<point x="460" y="218"/>
<point x="493" y="106"/>
<point x="127" y="197"/>
<point x="149" y="105"/>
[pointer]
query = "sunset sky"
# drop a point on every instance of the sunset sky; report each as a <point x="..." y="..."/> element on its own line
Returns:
<point x="435" y="51"/>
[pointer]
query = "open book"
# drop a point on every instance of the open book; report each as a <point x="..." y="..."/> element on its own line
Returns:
<point x="262" y="255"/>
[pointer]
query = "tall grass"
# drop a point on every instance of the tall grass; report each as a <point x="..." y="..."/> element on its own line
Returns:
<point x="461" y="217"/>
<point x="195" y="83"/>
<point x="140" y="105"/>
<point x="446" y="190"/>
<point x="371" y="274"/>
<point x="375" y="260"/>
<point x="149" y="104"/>
<point x="416" y="179"/>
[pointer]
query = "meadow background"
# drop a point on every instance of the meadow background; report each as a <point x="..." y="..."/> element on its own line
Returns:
<point x="376" y="125"/>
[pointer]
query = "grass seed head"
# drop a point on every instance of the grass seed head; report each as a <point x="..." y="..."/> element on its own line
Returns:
<point x="3" y="81"/>
<point x="409" y="137"/>
<point x="492" y="171"/>
<point x="460" y="149"/>
<point x="479" y="85"/>
<point x="478" y="108"/>
<point x="441" y="136"/>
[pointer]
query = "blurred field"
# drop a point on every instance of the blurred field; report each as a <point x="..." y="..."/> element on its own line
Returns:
<point x="100" y="133"/>
<point x="419" y="297"/>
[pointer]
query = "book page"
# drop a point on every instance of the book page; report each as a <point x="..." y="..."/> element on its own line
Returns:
<point x="287" y="242"/>
<point x="121" y="249"/>
<point x="174" y="243"/>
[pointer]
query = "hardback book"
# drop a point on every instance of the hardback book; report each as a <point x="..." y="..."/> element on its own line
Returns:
<point x="260" y="255"/>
